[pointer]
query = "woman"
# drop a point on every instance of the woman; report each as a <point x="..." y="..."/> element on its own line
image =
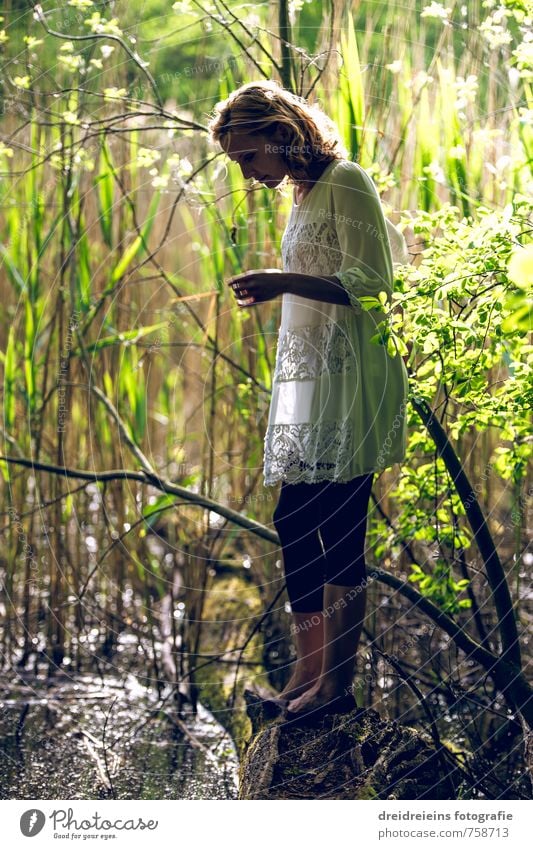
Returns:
<point x="337" y="412"/>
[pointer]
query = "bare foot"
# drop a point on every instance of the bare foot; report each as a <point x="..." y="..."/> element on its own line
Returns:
<point x="295" y="688"/>
<point x="312" y="698"/>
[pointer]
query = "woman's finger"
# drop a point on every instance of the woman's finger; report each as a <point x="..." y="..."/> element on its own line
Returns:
<point x="245" y="301"/>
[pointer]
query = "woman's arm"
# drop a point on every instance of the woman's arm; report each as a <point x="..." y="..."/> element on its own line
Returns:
<point x="357" y="215"/>
<point x="254" y="287"/>
<point x="317" y="288"/>
<point x="366" y="266"/>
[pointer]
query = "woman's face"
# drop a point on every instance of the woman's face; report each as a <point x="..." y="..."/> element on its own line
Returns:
<point x="259" y="156"/>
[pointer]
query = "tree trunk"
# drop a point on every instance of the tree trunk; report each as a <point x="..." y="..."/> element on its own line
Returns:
<point x="344" y="756"/>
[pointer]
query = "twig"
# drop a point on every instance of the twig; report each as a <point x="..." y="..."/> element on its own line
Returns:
<point x="40" y="16"/>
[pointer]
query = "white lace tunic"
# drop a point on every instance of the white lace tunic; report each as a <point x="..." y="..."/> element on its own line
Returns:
<point x="338" y="400"/>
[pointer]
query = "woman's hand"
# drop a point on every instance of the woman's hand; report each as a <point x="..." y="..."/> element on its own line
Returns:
<point x="254" y="287"/>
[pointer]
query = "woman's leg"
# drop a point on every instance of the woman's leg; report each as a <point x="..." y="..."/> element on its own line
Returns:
<point x="295" y="519"/>
<point x="343" y="515"/>
<point x="308" y="635"/>
<point x="343" y="533"/>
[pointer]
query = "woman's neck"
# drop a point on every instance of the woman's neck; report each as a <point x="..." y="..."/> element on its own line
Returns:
<point x="300" y="192"/>
<point x="303" y="188"/>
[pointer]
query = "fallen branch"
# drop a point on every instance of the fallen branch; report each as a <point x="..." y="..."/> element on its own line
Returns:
<point x="507" y="675"/>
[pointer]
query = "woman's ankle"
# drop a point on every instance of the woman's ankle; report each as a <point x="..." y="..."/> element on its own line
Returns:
<point x="300" y="680"/>
<point x="292" y="691"/>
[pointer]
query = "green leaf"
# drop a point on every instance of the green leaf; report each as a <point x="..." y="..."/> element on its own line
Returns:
<point x="522" y="318"/>
<point x="29" y="339"/>
<point x="351" y="88"/>
<point x="12" y="270"/>
<point x="369" y="303"/>
<point x="139" y="242"/>
<point x="10" y="380"/>
<point x="104" y="194"/>
<point x="124" y="337"/>
<point x="84" y="275"/>
<point x="152" y="511"/>
<point x="402" y="347"/>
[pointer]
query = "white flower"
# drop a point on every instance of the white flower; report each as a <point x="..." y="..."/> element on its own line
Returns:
<point x="113" y="93"/>
<point x="182" y="8"/>
<point x="83" y="159"/>
<point x="466" y="90"/>
<point x="295" y="6"/>
<point x="436" y="10"/>
<point x="457" y="152"/>
<point x="500" y="14"/>
<point x="435" y="172"/>
<point x="524" y="58"/>
<point x="106" y="50"/>
<point x="419" y="81"/>
<point x="494" y="33"/>
<point x="502" y="162"/>
<point x="383" y="178"/>
<point x="100" y="25"/>
<point x="146" y="157"/>
<point x="394" y="67"/>
<point x="514" y="77"/>
<point x="70" y="117"/>
<point x="483" y="135"/>
<point x="185" y="166"/>
<point x="72" y="63"/>
<point x="253" y="21"/>
<point x="160" y="182"/>
<point x="31" y="41"/>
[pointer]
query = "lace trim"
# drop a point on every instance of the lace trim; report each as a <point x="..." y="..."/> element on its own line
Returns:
<point x="327" y="447"/>
<point x="306" y="352"/>
<point x="313" y="248"/>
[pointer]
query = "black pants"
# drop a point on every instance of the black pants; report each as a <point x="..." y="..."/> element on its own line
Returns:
<point x="339" y="512"/>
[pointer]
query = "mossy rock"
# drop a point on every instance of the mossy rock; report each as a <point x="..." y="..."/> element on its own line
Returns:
<point x="355" y="755"/>
<point x="229" y="612"/>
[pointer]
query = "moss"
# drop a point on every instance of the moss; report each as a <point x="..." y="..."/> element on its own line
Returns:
<point x="292" y="770"/>
<point x="461" y="754"/>
<point x="229" y="612"/>
<point x="366" y="792"/>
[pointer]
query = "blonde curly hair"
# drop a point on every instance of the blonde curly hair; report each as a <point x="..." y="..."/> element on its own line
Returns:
<point x="312" y="141"/>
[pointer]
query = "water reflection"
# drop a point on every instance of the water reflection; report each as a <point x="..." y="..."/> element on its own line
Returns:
<point x="102" y="738"/>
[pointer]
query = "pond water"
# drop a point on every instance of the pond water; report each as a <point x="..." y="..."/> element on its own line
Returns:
<point x="89" y="737"/>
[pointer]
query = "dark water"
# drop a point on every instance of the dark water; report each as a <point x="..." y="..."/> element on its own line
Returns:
<point x="84" y="737"/>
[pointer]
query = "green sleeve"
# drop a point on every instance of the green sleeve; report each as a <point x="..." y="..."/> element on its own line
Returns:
<point x="361" y="226"/>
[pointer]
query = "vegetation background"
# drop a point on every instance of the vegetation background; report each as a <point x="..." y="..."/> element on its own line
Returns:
<point x="137" y="537"/>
